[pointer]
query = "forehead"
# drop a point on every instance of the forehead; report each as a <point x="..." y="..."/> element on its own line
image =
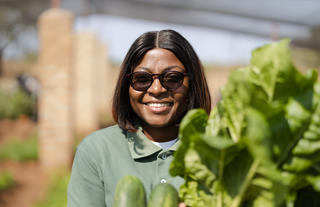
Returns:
<point x="159" y="59"/>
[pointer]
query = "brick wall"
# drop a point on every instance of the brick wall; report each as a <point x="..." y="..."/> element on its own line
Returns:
<point x="76" y="86"/>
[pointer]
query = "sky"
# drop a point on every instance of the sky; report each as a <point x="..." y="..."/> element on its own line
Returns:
<point x="211" y="45"/>
<point x="118" y="33"/>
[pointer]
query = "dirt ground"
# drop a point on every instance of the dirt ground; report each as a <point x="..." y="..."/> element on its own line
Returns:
<point x="21" y="128"/>
<point x="30" y="181"/>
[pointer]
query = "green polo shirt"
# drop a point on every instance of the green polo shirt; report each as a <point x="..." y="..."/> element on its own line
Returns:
<point x="107" y="155"/>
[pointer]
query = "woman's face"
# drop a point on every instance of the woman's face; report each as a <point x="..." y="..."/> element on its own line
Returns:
<point x="158" y="107"/>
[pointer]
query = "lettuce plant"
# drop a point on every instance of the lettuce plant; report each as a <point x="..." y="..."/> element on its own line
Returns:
<point x="260" y="146"/>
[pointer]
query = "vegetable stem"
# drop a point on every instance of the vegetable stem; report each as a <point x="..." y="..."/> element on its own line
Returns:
<point x="221" y="167"/>
<point x="291" y="146"/>
<point x="238" y="199"/>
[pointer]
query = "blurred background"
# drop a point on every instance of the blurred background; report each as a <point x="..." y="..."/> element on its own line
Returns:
<point x="59" y="61"/>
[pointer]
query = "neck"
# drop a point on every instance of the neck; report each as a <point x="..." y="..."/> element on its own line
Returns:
<point x="161" y="134"/>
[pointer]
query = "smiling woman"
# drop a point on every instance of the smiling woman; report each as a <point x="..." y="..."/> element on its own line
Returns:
<point x="161" y="78"/>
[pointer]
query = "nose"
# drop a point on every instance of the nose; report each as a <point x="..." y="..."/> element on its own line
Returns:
<point x="156" y="87"/>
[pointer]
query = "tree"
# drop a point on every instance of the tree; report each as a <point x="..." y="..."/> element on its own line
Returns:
<point x="15" y="17"/>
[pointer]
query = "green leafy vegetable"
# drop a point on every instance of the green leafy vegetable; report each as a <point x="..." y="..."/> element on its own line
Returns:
<point x="260" y="145"/>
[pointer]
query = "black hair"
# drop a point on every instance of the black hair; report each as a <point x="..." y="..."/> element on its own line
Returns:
<point x="198" y="94"/>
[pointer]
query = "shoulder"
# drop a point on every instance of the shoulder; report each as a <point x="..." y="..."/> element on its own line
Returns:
<point x="108" y="132"/>
<point x="103" y="138"/>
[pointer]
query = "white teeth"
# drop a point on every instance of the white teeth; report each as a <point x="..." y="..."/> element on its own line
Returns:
<point x="158" y="105"/>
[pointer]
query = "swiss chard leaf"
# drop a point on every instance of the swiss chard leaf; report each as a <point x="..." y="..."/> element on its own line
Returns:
<point x="261" y="144"/>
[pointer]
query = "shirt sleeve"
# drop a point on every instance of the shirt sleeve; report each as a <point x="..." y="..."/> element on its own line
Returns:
<point x="86" y="189"/>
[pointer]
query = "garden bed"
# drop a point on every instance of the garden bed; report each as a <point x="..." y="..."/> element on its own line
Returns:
<point x="29" y="180"/>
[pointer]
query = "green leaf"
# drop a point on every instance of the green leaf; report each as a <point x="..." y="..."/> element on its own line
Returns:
<point x="193" y="123"/>
<point x="258" y="136"/>
<point x="197" y="170"/>
<point x="305" y="146"/>
<point x="194" y="195"/>
<point x="237" y="94"/>
<point x="273" y="69"/>
<point x="261" y="143"/>
<point x="300" y="163"/>
<point x="273" y="195"/>
<point x="192" y="126"/>
<point x="236" y="172"/>
<point x="315" y="182"/>
<point x="298" y="117"/>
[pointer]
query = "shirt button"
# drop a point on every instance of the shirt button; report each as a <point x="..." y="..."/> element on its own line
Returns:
<point x="164" y="156"/>
<point x="163" y="181"/>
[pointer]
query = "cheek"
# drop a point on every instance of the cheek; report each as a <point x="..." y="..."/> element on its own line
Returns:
<point x="182" y="93"/>
<point x="182" y="97"/>
<point x="182" y="101"/>
<point x="132" y="96"/>
<point x="135" y="97"/>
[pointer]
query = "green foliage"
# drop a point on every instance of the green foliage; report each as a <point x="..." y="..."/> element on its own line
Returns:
<point x="260" y="145"/>
<point x="19" y="150"/>
<point x="57" y="193"/>
<point x="6" y="180"/>
<point x="14" y="104"/>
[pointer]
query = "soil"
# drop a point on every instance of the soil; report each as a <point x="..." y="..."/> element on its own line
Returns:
<point x="21" y="128"/>
<point x="29" y="180"/>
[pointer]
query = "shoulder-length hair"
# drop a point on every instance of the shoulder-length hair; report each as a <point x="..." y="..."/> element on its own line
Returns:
<point x="199" y="96"/>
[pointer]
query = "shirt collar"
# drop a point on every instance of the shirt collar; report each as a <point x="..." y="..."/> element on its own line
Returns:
<point x="140" y="146"/>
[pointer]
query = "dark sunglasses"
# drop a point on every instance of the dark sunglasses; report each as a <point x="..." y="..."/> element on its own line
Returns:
<point x="170" y="80"/>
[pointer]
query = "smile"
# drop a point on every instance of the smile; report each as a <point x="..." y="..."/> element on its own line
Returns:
<point x="159" y="105"/>
<point x="159" y="108"/>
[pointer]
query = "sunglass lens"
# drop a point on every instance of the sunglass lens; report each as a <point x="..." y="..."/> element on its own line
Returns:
<point x="173" y="80"/>
<point x="141" y="81"/>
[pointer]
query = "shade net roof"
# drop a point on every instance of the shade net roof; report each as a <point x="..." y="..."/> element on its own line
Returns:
<point x="296" y="19"/>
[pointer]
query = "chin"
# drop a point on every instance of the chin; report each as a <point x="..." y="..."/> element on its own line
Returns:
<point x="159" y="124"/>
